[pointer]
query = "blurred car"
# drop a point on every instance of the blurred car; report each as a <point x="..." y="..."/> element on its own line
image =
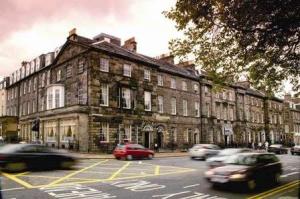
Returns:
<point x="132" y="151"/>
<point x="21" y="157"/>
<point x="203" y="151"/>
<point x="295" y="150"/>
<point x="218" y="160"/>
<point x="250" y="169"/>
<point x="278" y="149"/>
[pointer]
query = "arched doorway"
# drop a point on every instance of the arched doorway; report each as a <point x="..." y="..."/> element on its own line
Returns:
<point x="147" y="135"/>
<point x="160" y="136"/>
<point x="196" y="137"/>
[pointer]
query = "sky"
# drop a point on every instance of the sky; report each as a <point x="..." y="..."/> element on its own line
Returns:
<point x="33" y="27"/>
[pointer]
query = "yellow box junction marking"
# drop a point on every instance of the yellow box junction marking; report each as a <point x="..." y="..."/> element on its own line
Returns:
<point x="275" y="190"/>
<point x="114" y="175"/>
<point x="14" y="178"/>
<point x="154" y="170"/>
<point x="75" y="173"/>
<point x="157" y="168"/>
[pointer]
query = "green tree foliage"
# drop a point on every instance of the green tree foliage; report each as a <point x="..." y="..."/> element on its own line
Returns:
<point x="227" y="38"/>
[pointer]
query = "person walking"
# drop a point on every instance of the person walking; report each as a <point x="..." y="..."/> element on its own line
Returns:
<point x="259" y="146"/>
<point x="253" y="146"/>
<point x="266" y="145"/>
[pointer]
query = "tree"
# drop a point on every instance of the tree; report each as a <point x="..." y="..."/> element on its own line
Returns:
<point x="229" y="38"/>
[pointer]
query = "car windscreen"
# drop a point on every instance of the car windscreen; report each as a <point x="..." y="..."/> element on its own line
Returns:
<point x="120" y="147"/>
<point x="239" y="159"/>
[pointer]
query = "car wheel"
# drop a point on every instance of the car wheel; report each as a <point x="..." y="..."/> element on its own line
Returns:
<point x="67" y="164"/>
<point x="292" y="153"/>
<point x="150" y="156"/>
<point x="15" y="166"/>
<point x="129" y="157"/>
<point x="251" y="184"/>
<point x="192" y="158"/>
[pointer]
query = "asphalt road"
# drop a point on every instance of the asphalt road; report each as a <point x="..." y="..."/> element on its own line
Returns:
<point x="160" y="178"/>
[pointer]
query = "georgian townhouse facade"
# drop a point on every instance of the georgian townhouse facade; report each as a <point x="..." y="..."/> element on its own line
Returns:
<point x="96" y="93"/>
<point x="3" y="94"/>
<point x="91" y="94"/>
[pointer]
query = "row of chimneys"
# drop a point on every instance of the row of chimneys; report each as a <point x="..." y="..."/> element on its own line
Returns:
<point x="131" y="45"/>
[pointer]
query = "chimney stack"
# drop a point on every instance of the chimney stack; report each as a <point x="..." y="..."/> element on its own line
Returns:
<point x="72" y="34"/>
<point x="287" y="97"/>
<point x="169" y="58"/>
<point x="130" y="44"/>
<point x="187" y="65"/>
<point x="245" y="84"/>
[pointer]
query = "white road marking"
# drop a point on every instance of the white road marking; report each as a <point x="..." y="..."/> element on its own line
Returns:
<point x="193" y="185"/>
<point x="289" y="174"/>
<point x="12" y="189"/>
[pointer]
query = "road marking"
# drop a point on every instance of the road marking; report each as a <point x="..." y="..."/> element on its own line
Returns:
<point x="275" y="190"/>
<point x="21" y="182"/>
<point x="114" y="175"/>
<point x="12" y="189"/>
<point x="193" y="185"/>
<point x="75" y="173"/>
<point x="289" y="174"/>
<point x="20" y="174"/>
<point x="157" y="169"/>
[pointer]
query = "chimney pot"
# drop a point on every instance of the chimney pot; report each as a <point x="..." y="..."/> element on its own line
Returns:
<point x="72" y="32"/>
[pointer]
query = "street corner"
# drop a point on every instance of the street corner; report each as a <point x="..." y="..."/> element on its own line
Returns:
<point x="94" y="171"/>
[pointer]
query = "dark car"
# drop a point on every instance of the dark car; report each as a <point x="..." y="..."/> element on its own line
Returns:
<point x="250" y="169"/>
<point x="295" y="150"/>
<point x="219" y="159"/>
<point x="132" y="151"/>
<point x="278" y="149"/>
<point x="21" y="157"/>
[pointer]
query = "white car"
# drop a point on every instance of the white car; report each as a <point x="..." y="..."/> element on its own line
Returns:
<point x="203" y="151"/>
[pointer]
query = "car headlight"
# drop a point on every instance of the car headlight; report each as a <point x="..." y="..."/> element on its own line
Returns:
<point x="237" y="176"/>
<point x="209" y="173"/>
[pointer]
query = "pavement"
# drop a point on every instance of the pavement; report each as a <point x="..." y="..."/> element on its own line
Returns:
<point x="110" y="156"/>
<point x="159" y="178"/>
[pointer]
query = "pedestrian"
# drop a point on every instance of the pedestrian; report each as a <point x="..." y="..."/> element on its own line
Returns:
<point x="156" y="147"/>
<point x="253" y="146"/>
<point x="259" y="145"/>
<point x="266" y="145"/>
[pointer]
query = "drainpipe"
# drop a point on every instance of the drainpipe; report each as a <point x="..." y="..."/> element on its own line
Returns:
<point x="200" y="110"/>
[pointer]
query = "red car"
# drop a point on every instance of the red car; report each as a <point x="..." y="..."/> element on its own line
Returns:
<point x="131" y="151"/>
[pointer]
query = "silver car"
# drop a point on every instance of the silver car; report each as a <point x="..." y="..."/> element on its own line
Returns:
<point x="203" y="151"/>
<point x="218" y="160"/>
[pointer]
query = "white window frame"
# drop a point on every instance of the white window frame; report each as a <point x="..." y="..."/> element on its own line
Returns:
<point x="196" y="88"/>
<point x="147" y="100"/>
<point x="104" y="95"/>
<point x="160" y="81"/>
<point x="147" y="75"/>
<point x="184" y="86"/>
<point x="104" y="127"/>
<point x="160" y="100"/>
<point x="52" y="97"/>
<point x="58" y="75"/>
<point x="173" y="83"/>
<point x="185" y="107"/>
<point x="197" y="109"/>
<point x="127" y="70"/>
<point x="173" y="106"/>
<point x="104" y="65"/>
<point x="126" y="95"/>
<point x="128" y="130"/>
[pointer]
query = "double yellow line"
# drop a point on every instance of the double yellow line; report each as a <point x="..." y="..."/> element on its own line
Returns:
<point x="276" y="190"/>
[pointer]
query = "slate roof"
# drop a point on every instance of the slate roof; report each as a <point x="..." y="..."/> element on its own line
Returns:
<point x="162" y="65"/>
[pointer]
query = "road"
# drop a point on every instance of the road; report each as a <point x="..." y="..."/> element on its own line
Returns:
<point x="160" y="178"/>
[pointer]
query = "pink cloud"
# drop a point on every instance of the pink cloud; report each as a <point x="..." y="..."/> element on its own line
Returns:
<point x="16" y="15"/>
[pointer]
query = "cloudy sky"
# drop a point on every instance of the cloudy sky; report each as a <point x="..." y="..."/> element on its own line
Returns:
<point x="32" y="27"/>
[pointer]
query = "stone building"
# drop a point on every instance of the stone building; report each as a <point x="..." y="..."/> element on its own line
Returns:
<point x="95" y="93"/>
<point x="91" y="94"/>
<point x="292" y="119"/>
<point x="3" y="93"/>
